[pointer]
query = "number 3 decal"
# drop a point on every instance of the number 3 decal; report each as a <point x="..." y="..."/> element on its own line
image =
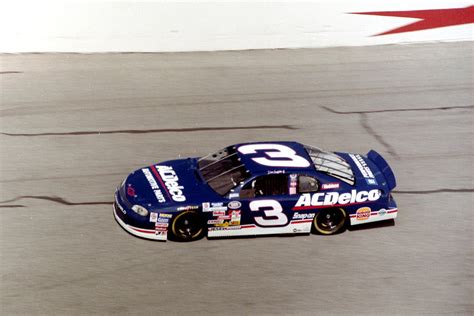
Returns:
<point x="273" y="210"/>
<point x="277" y="155"/>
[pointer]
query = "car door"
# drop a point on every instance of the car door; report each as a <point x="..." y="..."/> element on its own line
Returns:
<point x="268" y="201"/>
<point x="264" y="205"/>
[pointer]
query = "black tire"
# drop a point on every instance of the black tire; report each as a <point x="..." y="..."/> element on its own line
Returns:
<point x="330" y="221"/>
<point x="187" y="226"/>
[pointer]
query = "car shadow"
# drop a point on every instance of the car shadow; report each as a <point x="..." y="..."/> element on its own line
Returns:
<point x="258" y="236"/>
<point x="386" y="223"/>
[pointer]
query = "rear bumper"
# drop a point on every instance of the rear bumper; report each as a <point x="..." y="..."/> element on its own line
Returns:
<point x="380" y="215"/>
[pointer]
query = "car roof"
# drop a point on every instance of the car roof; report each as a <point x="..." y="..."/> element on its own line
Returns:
<point x="256" y="168"/>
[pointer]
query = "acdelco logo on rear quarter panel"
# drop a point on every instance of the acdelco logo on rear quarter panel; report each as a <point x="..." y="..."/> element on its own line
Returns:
<point x="333" y="198"/>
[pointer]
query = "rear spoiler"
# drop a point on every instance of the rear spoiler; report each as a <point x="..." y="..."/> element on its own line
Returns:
<point x="383" y="166"/>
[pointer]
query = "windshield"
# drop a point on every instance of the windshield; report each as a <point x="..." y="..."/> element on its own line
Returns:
<point x="223" y="170"/>
<point x="331" y="164"/>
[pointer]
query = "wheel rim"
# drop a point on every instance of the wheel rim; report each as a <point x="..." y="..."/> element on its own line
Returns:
<point x="330" y="221"/>
<point x="187" y="226"/>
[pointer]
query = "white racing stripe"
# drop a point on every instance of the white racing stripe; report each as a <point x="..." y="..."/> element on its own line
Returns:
<point x="295" y="227"/>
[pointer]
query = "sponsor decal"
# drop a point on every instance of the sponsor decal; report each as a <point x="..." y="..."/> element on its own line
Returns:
<point x="234" y="218"/>
<point x="275" y="171"/>
<point x="187" y="208"/>
<point x="231" y="219"/>
<point x="362" y="165"/>
<point x="222" y="224"/>
<point x="364" y="169"/>
<point x="382" y="212"/>
<point x="303" y="216"/>
<point x="215" y="221"/>
<point x="161" y="228"/>
<point x="164" y="215"/>
<point x="233" y="195"/>
<point x="156" y="189"/>
<point x="234" y="205"/>
<point x="217" y="209"/>
<point x="168" y="175"/>
<point x="153" y="217"/>
<point x="131" y="191"/>
<point x="120" y="208"/>
<point x="224" y="228"/>
<point x="163" y="220"/>
<point x="150" y="178"/>
<point x="293" y="184"/>
<point x="213" y="207"/>
<point x="336" y="198"/>
<point x="159" y="196"/>
<point x="363" y="213"/>
<point x="218" y="213"/>
<point x="371" y="181"/>
<point x="329" y="186"/>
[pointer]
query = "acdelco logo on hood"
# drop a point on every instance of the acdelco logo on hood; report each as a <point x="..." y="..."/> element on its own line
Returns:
<point x="170" y="179"/>
<point x="335" y="198"/>
<point x="169" y="182"/>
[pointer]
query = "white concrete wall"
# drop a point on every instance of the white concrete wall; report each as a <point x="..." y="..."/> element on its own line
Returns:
<point x="153" y="26"/>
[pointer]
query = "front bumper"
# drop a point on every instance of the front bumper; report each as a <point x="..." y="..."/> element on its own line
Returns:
<point x="159" y="233"/>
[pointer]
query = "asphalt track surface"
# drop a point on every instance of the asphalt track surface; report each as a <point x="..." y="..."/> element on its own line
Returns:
<point x="73" y="126"/>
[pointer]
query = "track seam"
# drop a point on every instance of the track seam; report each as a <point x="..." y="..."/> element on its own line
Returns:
<point x="150" y="131"/>
<point x="365" y="124"/>
<point x="55" y="199"/>
<point x="400" y="110"/>
<point x="433" y="191"/>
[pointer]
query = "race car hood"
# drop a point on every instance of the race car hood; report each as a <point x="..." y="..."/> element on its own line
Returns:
<point x="165" y="185"/>
<point x="371" y="170"/>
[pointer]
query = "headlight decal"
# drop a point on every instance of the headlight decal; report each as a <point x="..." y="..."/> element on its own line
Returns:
<point x="140" y="210"/>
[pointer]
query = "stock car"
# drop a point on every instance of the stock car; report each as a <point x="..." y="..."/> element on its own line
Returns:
<point x="254" y="189"/>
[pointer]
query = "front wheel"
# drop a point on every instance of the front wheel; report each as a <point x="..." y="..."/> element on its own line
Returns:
<point x="330" y="221"/>
<point x="187" y="226"/>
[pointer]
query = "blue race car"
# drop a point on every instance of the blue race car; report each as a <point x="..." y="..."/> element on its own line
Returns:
<point x="256" y="189"/>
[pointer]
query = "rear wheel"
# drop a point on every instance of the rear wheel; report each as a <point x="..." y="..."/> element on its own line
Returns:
<point x="187" y="226"/>
<point x="330" y="221"/>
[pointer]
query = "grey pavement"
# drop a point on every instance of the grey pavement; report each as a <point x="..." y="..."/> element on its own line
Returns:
<point x="68" y="136"/>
